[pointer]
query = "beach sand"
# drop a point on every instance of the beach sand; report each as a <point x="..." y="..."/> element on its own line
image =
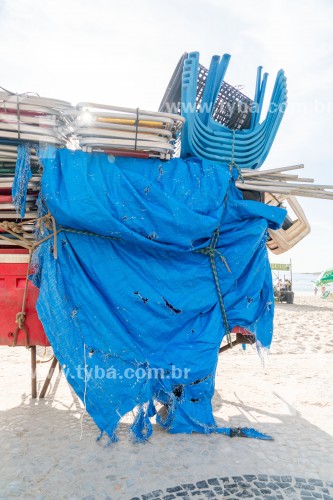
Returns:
<point x="290" y="398"/>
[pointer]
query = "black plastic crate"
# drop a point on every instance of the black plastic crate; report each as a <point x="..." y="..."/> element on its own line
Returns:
<point x="232" y="108"/>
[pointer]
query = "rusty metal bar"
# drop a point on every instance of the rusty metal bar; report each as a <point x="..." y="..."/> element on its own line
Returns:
<point x="48" y="378"/>
<point x="240" y="339"/>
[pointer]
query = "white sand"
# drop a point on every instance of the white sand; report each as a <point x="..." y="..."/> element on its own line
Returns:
<point x="42" y="455"/>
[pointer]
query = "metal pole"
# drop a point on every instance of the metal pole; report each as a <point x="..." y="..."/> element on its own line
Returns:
<point x="48" y="378"/>
<point x="33" y="372"/>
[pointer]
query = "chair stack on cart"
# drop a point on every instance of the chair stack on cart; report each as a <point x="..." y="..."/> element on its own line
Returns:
<point x="126" y="131"/>
<point x="35" y="122"/>
<point x="34" y="119"/>
<point x="210" y="108"/>
<point x="8" y="211"/>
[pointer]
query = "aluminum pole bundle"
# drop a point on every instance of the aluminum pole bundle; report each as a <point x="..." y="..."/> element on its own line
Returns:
<point x="277" y="182"/>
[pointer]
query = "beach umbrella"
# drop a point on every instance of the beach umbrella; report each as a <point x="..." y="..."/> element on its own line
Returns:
<point x="325" y="278"/>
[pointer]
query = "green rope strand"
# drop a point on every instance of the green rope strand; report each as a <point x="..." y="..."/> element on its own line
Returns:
<point x="86" y="233"/>
<point x="232" y="163"/>
<point x="212" y="252"/>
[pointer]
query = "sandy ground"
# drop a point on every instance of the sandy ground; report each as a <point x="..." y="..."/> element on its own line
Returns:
<point x="290" y="398"/>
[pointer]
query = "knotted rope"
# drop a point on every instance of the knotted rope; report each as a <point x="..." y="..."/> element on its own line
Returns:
<point x="49" y="222"/>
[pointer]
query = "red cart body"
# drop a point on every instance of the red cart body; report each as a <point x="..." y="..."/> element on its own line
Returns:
<point x="13" y="271"/>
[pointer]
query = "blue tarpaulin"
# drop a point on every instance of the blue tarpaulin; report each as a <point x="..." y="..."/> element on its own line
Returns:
<point x="130" y="305"/>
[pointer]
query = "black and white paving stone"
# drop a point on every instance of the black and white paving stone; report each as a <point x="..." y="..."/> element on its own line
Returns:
<point x="258" y="487"/>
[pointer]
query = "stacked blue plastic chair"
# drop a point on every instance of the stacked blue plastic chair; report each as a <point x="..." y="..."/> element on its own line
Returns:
<point x="205" y="137"/>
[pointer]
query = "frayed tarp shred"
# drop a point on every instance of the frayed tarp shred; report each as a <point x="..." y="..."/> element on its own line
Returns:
<point x="130" y="305"/>
<point x="22" y="177"/>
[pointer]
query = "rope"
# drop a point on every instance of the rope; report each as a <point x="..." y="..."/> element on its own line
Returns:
<point x="55" y="246"/>
<point x="212" y="252"/>
<point x="50" y="223"/>
<point x="232" y="163"/>
<point x="13" y="228"/>
<point x="77" y="231"/>
<point x="41" y="361"/>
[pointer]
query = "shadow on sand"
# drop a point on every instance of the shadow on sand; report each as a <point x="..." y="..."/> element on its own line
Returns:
<point x="38" y="432"/>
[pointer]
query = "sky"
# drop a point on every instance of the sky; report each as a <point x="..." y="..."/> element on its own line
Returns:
<point x="124" y="52"/>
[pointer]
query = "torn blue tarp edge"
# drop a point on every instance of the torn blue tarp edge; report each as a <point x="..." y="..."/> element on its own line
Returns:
<point x="141" y="429"/>
<point x="22" y="176"/>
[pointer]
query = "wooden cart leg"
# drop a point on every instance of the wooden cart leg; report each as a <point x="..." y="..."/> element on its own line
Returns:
<point x="33" y="372"/>
<point x="48" y="378"/>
